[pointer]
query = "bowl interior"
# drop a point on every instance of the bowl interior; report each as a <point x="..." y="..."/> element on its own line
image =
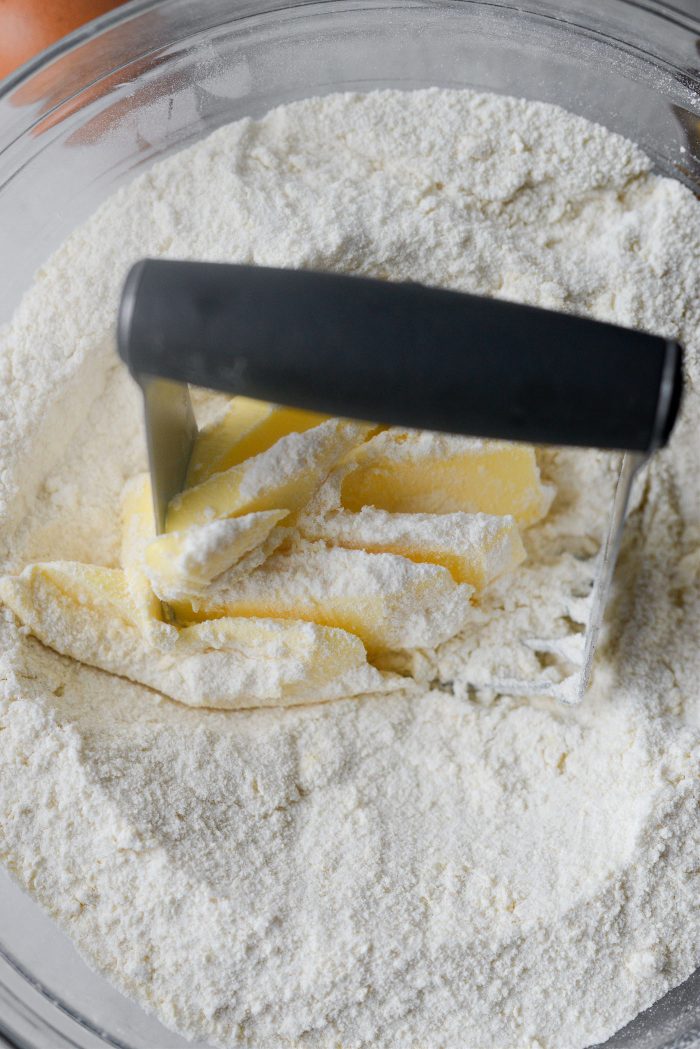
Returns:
<point x="154" y="77"/>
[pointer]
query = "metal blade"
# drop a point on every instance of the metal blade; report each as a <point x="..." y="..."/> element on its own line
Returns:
<point x="632" y="462"/>
<point x="170" y="434"/>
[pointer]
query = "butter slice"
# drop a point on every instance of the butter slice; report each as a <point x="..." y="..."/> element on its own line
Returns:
<point x="282" y="478"/>
<point x="474" y="548"/>
<point x="215" y="441"/>
<point x="411" y="472"/>
<point x="138" y="529"/>
<point x="185" y="562"/>
<point x="46" y="586"/>
<point x="247" y="428"/>
<point x="388" y="601"/>
<point x="86" y="612"/>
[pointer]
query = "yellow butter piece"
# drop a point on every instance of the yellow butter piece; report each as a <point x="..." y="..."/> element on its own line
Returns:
<point x="321" y="654"/>
<point x="216" y="440"/>
<point x="69" y="583"/>
<point x="184" y="562"/>
<point x="282" y="478"/>
<point x="86" y="612"/>
<point x="388" y="601"/>
<point x="474" y="548"/>
<point x="138" y="529"/>
<point x="247" y="428"/>
<point x="424" y="473"/>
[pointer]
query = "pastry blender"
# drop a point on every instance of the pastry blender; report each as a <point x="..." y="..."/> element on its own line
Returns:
<point x="400" y="354"/>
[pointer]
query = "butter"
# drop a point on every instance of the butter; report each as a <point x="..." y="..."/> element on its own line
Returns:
<point x="309" y="556"/>
<point x="282" y="478"/>
<point x="87" y="612"/>
<point x="184" y="562"/>
<point x="408" y="472"/>
<point x="246" y="429"/>
<point x="42" y="585"/>
<point x="474" y="548"/>
<point x="387" y="601"/>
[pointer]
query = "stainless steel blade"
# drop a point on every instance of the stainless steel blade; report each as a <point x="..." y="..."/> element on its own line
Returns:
<point x="632" y="462"/>
<point x="170" y="434"/>
<point x="567" y="661"/>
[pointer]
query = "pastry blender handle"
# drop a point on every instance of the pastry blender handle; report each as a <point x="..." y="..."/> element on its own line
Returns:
<point x="401" y="354"/>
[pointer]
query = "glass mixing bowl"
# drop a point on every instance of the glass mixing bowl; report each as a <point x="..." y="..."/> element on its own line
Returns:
<point x="153" y="77"/>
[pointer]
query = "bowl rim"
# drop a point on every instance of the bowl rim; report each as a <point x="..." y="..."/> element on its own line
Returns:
<point x="125" y="12"/>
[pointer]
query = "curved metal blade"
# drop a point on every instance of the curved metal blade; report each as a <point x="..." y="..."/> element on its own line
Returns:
<point x="632" y="462"/>
<point x="170" y="435"/>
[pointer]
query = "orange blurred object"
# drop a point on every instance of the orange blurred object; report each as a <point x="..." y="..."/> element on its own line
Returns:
<point x="28" y="26"/>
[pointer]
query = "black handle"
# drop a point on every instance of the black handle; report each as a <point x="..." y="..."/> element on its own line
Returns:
<point x="401" y="354"/>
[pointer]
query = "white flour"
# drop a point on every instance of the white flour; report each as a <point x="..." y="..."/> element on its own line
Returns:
<point x="404" y="871"/>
